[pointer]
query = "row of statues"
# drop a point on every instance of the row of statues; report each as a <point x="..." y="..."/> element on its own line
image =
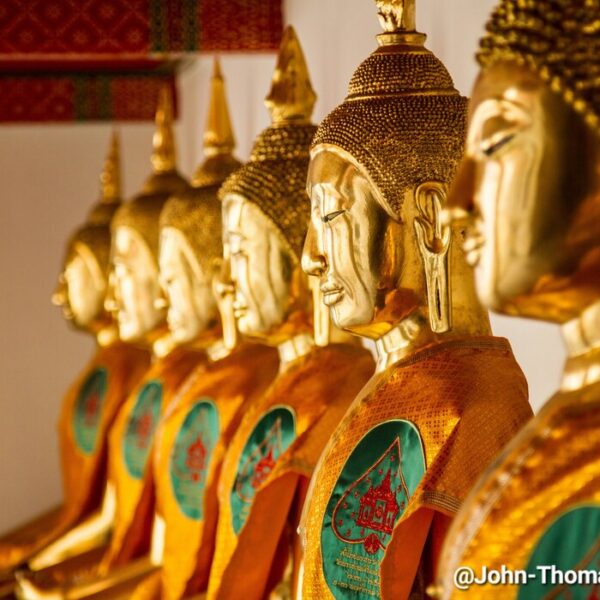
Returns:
<point x="233" y="438"/>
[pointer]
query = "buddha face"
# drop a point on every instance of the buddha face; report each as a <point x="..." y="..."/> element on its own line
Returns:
<point x="134" y="286"/>
<point x="522" y="182"/>
<point x="81" y="288"/>
<point x="191" y="305"/>
<point x="345" y="245"/>
<point x="262" y="268"/>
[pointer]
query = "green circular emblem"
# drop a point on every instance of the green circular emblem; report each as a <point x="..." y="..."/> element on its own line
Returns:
<point x="369" y="497"/>
<point x="270" y="438"/>
<point x="88" y="410"/>
<point x="190" y="458"/>
<point x="139" y="432"/>
<point x="569" y="546"/>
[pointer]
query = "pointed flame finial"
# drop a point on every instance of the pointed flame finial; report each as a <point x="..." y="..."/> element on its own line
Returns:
<point x="397" y="15"/>
<point x="292" y="97"/>
<point x="218" y="135"/>
<point x="110" y="178"/>
<point x="164" y="157"/>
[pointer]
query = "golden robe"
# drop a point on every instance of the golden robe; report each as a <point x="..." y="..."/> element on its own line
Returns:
<point x="268" y="463"/>
<point x="400" y="464"/>
<point x="88" y="411"/>
<point x="130" y="445"/>
<point x="537" y="506"/>
<point x="191" y="443"/>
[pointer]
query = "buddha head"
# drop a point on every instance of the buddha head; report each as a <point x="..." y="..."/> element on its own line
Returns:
<point x="83" y="281"/>
<point x="135" y="294"/>
<point x="528" y="188"/>
<point x="380" y="166"/>
<point x="190" y="230"/>
<point x="265" y="213"/>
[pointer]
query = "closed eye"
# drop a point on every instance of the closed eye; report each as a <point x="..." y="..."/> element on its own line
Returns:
<point x="495" y="146"/>
<point x="331" y="216"/>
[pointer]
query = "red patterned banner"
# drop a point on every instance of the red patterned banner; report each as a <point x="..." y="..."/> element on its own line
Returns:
<point x="68" y="97"/>
<point x="42" y="29"/>
<point x="65" y="60"/>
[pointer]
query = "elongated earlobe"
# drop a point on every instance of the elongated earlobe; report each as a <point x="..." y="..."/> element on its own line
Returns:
<point x="433" y="239"/>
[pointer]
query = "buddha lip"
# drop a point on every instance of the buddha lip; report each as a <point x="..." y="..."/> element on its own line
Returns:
<point x="332" y="296"/>
<point x="239" y="310"/>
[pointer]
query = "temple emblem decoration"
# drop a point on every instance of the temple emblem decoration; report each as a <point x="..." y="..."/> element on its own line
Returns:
<point x="191" y="457"/>
<point x="137" y="441"/>
<point x="88" y="410"/>
<point x="270" y="438"/>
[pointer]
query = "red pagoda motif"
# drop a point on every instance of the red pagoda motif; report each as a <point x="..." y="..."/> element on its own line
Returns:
<point x="144" y="429"/>
<point x="378" y="507"/>
<point x="91" y="409"/>
<point x="369" y="508"/>
<point x="195" y="459"/>
<point x="263" y="467"/>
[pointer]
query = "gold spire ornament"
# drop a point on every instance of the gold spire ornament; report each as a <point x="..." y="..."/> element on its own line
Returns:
<point x="292" y="97"/>
<point x="164" y="154"/>
<point x="527" y="200"/>
<point x="218" y="133"/>
<point x="110" y="178"/>
<point x="390" y="269"/>
<point x="219" y="140"/>
<point x="397" y="15"/>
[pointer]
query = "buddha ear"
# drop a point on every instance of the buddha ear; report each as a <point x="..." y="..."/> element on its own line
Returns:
<point x="433" y="240"/>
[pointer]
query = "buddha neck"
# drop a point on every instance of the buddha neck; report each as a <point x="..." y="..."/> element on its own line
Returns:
<point x="582" y="338"/>
<point x="294" y="348"/>
<point x="405" y="338"/>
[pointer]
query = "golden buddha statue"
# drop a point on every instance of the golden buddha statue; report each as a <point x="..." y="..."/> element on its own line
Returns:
<point x="91" y="404"/>
<point x="275" y="448"/>
<point x="446" y="396"/>
<point x="198" y="428"/>
<point x="121" y="530"/>
<point x="528" y="196"/>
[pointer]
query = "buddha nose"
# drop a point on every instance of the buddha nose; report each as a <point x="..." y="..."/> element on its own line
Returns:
<point x="59" y="296"/>
<point x="222" y="282"/>
<point x="313" y="261"/>
<point x="161" y="301"/>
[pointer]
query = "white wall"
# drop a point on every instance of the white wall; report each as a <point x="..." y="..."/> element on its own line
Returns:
<point x="48" y="179"/>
